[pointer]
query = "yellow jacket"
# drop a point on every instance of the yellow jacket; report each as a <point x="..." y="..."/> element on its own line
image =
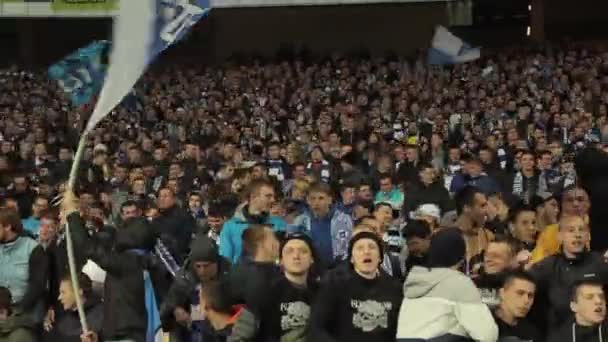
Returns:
<point x="547" y="243"/>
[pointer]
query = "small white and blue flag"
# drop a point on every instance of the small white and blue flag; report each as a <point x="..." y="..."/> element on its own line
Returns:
<point x="446" y="48"/>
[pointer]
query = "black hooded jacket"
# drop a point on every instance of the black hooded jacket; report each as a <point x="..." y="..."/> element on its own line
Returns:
<point x="175" y="227"/>
<point x="571" y="332"/>
<point x="125" y="315"/>
<point x="555" y="276"/>
<point x="248" y="279"/>
<point x="186" y="281"/>
<point x="435" y="193"/>
<point x="591" y="168"/>
<point x="67" y="326"/>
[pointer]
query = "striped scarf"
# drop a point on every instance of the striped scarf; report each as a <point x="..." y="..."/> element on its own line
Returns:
<point x="162" y="252"/>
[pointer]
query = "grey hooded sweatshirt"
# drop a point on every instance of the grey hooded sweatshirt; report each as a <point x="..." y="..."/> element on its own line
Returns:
<point x="441" y="304"/>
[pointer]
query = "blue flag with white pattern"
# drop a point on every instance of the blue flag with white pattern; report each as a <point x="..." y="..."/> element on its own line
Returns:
<point x="81" y="73"/>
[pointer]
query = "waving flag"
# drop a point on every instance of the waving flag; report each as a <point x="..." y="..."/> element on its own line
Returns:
<point x="81" y="73"/>
<point x="142" y="30"/>
<point x="174" y="19"/>
<point x="446" y="48"/>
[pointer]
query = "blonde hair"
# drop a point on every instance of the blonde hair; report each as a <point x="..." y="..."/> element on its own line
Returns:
<point x="301" y="186"/>
<point x="567" y="218"/>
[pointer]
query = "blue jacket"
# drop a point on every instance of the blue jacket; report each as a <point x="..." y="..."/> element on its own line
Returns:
<point x="394" y="197"/>
<point x="485" y="183"/>
<point x="330" y="235"/>
<point x="15" y="258"/>
<point x="32" y="225"/>
<point x="232" y="231"/>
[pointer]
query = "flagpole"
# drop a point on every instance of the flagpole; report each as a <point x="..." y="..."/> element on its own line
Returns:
<point x="68" y="237"/>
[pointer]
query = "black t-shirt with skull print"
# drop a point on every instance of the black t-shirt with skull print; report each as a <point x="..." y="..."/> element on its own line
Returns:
<point x="284" y="316"/>
<point x="352" y="308"/>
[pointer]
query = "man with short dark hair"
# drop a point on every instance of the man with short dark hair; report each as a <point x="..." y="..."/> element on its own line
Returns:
<point x="388" y="192"/>
<point x="418" y="239"/>
<point x="472" y="209"/>
<point x="218" y="310"/>
<point x="328" y="227"/>
<point x="588" y="304"/>
<point x="32" y="223"/>
<point x="406" y="172"/>
<point x="23" y="194"/>
<point x="130" y="209"/>
<point x="195" y="208"/>
<point x="24" y="268"/>
<point x="364" y="192"/>
<point x="14" y="326"/>
<point x="472" y="175"/>
<point x="216" y="216"/>
<point x="516" y="299"/>
<point x="427" y="190"/>
<point x="277" y="166"/>
<point x="174" y="224"/>
<point x="528" y="181"/>
<point x="522" y="226"/>
<point x="181" y="303"/>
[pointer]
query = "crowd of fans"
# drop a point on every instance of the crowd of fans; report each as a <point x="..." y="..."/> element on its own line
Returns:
<point x="336" y="199"/>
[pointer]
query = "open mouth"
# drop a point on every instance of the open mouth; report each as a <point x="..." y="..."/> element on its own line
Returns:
<point x="577" y="243"/>
<point x="367" y="261"/>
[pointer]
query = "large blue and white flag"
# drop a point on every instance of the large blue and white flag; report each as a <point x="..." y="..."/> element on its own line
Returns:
<point x="142" y="30"/>
<point x="81" y="73"/>
<point x="446" y="48"/>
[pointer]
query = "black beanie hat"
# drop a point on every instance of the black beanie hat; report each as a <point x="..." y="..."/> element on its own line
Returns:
<point x="365" y="235"/>
<point x="447" y="248"/>
<point x="203" y="249"/>
<point x="301" y="237"/>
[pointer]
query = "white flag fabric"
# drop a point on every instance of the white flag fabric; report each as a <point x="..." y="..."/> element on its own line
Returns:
<point x="142" y="30"/>
<point x="132" y="36"/>
<point x="446" y="48"/>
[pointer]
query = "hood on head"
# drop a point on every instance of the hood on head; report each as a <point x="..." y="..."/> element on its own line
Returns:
<point x="203" y="249"/>
<point x="422" y="280"/>
<point x="136" y="234"/>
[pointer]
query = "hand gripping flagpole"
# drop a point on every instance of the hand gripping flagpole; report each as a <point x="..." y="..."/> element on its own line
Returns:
<point x="132" y="50"/>
<point x="131" y="39"/>
<point x="68" y="238"/>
